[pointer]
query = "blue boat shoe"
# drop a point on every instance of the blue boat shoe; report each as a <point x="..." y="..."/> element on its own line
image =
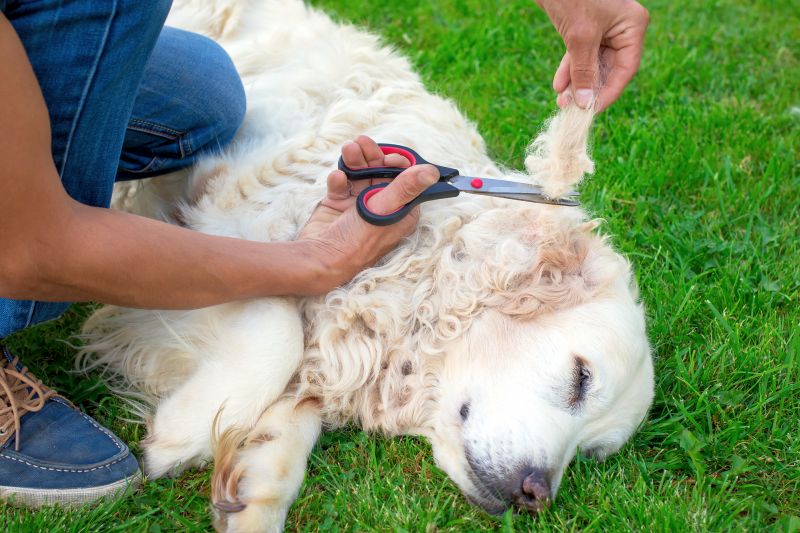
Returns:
<point x="52" y="453"/>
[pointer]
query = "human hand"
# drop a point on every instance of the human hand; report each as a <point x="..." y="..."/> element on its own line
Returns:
<point x="604" y="40"/>
<point x="343" y="242"/>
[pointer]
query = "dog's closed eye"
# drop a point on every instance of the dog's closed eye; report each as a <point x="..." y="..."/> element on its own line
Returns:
<point x="581" y="381"/>
<point x="463" y="412"/>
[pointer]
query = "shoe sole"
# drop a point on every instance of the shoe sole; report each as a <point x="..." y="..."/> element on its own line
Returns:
<point x="23" y="497"/>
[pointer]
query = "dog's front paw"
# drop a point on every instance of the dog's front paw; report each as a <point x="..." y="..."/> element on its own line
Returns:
<point x="258" y="473"/>
<point x="231" y="503"/>
<point x="236" y="517"/>
<point x="256" y="478"/>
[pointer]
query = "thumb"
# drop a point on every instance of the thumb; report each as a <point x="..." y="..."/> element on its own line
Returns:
<point x="583" y="69"/>
<point x="403" y="189"/>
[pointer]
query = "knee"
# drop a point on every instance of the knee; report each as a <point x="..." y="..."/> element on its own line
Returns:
<point x="228" y="98"/>
<point x="220" y="86"/>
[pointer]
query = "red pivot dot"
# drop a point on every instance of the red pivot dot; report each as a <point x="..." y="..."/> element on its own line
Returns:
<point x="476" y="183"/>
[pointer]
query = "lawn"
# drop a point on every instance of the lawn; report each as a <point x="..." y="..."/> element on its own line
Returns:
<point x="698" y="173"/>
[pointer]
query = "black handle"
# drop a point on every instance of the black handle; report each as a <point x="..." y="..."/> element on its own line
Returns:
<point x="437" y="191"/>
<point x="392" y="172"/>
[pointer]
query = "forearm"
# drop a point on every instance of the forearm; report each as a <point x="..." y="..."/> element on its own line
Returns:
<point x="112" y="257"/>
<point x="53" y="248"/>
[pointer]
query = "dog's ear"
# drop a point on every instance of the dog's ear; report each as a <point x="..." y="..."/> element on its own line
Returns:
<point x="568" y="270"/>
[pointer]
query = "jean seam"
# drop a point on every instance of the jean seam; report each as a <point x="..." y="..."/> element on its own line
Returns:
<point x="165" y="132"/>
<point x="153" y="165"/>
<point x="29" y="318"/>
<point x="186" y="145"/>
<point x="89" y="81"/>
<point x="146" y="126"/>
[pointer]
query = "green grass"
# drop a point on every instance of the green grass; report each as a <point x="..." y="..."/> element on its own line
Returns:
<point x="698" y="175"/>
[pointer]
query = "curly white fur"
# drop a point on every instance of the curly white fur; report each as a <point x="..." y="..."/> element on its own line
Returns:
<point x="491" y="303"/>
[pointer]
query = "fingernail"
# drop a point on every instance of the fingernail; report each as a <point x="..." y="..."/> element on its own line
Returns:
<point x="583" y="97"/>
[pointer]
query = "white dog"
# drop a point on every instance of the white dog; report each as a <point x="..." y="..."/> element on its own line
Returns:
<point x="507" y="333"/>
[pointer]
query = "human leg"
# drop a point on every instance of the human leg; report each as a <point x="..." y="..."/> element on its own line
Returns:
<point x="191" y="101"/>
<point x="88" y="58"/>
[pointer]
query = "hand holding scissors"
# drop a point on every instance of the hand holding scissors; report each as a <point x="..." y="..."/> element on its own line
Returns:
<point x="337" y="239"/>
<point x="451" y="183"/>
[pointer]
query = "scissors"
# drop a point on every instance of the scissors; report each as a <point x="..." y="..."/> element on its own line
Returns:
<point x="451" y="183"/>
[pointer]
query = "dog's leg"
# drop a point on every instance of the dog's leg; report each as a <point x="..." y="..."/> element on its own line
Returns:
<point x="258" y="473"/>
<point x="243" y="368"/>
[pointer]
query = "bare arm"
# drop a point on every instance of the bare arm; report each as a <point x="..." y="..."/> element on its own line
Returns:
<point x="53" y="248"/>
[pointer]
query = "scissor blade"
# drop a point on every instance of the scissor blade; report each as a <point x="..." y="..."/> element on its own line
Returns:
<point x="535" y="198"/>
<point x="509" y="189"/>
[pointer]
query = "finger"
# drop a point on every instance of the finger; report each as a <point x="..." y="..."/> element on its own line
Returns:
<point x="356" y="186"/>
<point x="626" y="64"/>
<point x="403" y="189"/>
<point x="372" y="152"/>
<point x="338" y="186"/>
<point x="583" y="49"/>
<point x="396" y="160"/>
<point x="353" y="156"/>
<point x="375" y="156"/>
<point x="561" y="79"/>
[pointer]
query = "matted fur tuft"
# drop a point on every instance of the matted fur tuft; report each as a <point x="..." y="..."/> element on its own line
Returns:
<point x="558" y="158"/>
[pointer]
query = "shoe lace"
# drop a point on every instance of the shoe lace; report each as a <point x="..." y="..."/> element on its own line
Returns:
<point x="20" y="393"/>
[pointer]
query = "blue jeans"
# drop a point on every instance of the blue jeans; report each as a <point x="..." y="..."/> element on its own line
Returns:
<point x="127" y="97"/>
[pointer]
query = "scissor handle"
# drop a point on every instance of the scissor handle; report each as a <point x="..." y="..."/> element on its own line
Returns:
<point x="392" y="172"/>
<point x="437" y="191"/>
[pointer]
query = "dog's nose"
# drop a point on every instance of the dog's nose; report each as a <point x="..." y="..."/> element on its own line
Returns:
<point x="534" y="493"/>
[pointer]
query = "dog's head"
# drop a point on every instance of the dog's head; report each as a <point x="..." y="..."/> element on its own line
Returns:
<point x="532" y="381"/>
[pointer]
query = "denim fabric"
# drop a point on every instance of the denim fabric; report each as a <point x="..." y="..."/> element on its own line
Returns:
<point x="169" y="127"/>
<point x="126" y="100"/>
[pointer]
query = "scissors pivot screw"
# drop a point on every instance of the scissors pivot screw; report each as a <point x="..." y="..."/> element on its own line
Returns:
<point x="476" y="183"/>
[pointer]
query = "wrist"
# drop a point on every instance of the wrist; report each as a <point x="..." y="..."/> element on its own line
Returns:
<point x="315" y="272"/>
